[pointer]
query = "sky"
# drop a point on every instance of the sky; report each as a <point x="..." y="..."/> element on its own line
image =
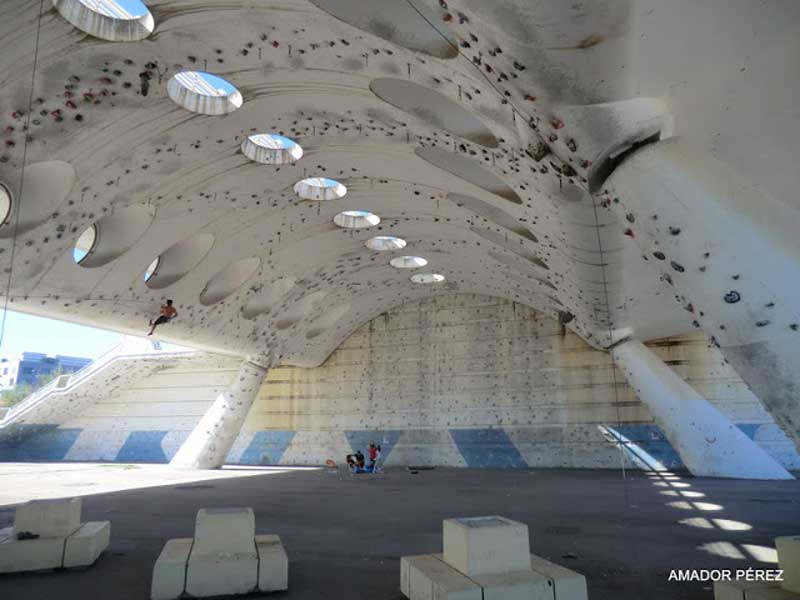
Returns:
<point x="38" y="334"/>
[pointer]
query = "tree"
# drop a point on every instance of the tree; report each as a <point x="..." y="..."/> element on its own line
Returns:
<point x="18" y="393"/>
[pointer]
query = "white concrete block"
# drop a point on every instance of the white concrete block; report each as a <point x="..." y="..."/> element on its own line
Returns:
<point x="169" y="573"/>
<point x="222" y="574"/>
<point x="49" y="518"/>
<point x="84" y="546"/>
<point x="405" y="566"/>
<point x="486" y="545"/>
<point x="6" y="533"/>
<point x="567" y="584"/>
<point x="224" y="530"/>
<point x="31" y="555"/>
<point x="273" y="564"/>
<point x="430" y="578"/>
<point x="517" y="585"/>
<point x="789" y="560"/>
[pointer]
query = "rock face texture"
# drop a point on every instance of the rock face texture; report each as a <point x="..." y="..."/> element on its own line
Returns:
<point x="626" y="171"/>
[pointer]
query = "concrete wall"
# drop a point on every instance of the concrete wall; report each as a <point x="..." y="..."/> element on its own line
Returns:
<point x="458" y="380"/>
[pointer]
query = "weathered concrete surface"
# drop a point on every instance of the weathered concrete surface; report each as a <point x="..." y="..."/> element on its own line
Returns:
<point x="211" y="440"/>
<point x="733" y="256"/>
<point x="456" y="380"/>
<point x="606" y="522"/>
<point x="709" y="444"/>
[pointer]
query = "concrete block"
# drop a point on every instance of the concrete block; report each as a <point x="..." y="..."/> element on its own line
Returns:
<point x="31" y="555"/>
<point x="222" y="574"/>
<point x="224" y="531"/>
<point x="789" y="560"/>
<point x="516" y="585"/>
<point x="405" y="566"/>
<point x="169" y="573"/>
<point x="5" y="533"/>
<point x="567" y="584"/>
<point x="486" y="545"/>
<point x="84" y="546"/>
<point x="273" y="564"/>
<point x="430" y="578"/>
<point x="49" y="518"/>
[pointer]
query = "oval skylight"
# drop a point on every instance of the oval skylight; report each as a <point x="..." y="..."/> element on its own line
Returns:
<point x="85" y="244"/>
<point x="271" y="149"/>
<point x="356" y="219"/>
<point x="408" y="262"/>
<point x="427" y="278"/>
<point x="5" y="204"/>
<point x="385" y="243"/>
<point x="319" y="188"/>
<point x="113" y="20"/>
<point x="203" y="93"/>
<point x="151" y="270"/>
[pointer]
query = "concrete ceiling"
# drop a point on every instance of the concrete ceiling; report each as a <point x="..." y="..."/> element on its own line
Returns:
<point x="475" y="130"/>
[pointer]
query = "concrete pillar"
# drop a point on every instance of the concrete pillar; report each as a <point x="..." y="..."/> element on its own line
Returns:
<point x="211" y="440"/>
<point x="707" y="442"/>
<point x="732" y="254"/>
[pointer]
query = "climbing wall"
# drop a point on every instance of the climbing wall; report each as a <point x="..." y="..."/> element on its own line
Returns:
<point x="467" y="380"/>
<point x="458" y="380"/>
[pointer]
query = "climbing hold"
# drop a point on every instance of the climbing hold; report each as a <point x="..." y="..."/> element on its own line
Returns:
<point x="732" y="297"/>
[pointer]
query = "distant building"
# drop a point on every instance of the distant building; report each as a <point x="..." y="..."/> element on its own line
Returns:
<point x="30" y="367"/>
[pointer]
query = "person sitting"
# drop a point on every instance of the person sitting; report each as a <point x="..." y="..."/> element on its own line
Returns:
<point x="377" y="465"/>
<point x="351" y="463"/>
<point x="359" y="458"/>
<point x="167" y="313"/>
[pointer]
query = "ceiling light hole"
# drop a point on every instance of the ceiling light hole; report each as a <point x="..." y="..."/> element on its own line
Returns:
<point x="427" y="278"/>
<point x="356" y="219"/>
<point x="385" y="243"/>
<point x="408" y="262"/>
<point x="203" y="93"/>
<point x="271" y="149"/>
<point x="319" y="188"/>
<point x="112" y="20"/>
<point x="85" y="244"/>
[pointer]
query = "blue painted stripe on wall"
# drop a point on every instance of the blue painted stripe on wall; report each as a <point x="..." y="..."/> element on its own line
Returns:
<point x="47" y="443"/>
<point x="488" y="449"/>
<point x="266" y="448"/>
<point x="385" y="438"/>
<point x="143" y="446"/>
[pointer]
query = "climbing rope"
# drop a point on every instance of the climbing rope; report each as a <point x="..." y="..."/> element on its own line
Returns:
<point x="21" y="186"/>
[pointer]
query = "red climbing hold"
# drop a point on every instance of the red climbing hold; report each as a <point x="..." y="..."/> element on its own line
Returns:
<point x="556" y="123"/>
<point x="629" y="233"/>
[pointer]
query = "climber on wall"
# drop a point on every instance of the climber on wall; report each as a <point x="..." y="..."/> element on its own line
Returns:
<point x="167" y="313"/>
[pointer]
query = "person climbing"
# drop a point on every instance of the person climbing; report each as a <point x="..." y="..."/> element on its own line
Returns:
<point x="168" y="313"/>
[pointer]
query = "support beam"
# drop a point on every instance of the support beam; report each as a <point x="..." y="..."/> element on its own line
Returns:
<point x="708" y="443"/>
<point x="733" y="255"/>
<point x="211" y="440"/>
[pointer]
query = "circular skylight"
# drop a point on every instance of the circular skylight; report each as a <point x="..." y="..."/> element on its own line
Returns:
<point x="408" y="262"/>
<point x="319" y="188"/>
<point x="427" y="278"/>
<point x="5" y="204"/>
<point x="384" y="243"/>
<point x="85" y="244"/>
<point x="151" y="270"/>
<point x="356" y="219"/>
<point x="203" y="93"/>
<point x="271" y="149"/>
<point x="113" y="20"/>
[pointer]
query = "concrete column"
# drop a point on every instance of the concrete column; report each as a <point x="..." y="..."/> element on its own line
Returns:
<point x="733" y="255"/>
<point x="708" y="443"/>
<point x="211" y="440"/>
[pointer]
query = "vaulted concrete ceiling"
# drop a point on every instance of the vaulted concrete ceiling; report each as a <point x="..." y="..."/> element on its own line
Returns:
<point x="477" y="131"/>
